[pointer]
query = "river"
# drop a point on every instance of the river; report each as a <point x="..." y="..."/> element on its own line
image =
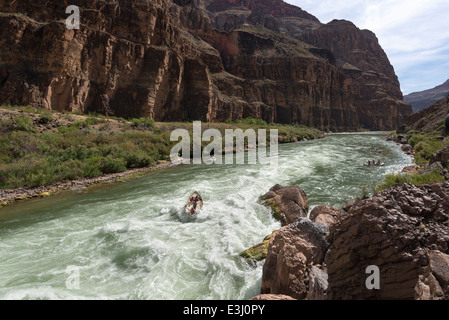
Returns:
<point x="121" y="241"/>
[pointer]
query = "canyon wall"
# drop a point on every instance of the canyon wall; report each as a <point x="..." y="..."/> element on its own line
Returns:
<point x="197" y="60"/>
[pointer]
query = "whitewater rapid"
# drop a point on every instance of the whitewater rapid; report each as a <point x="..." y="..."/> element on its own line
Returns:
<point x="122" y="241"/>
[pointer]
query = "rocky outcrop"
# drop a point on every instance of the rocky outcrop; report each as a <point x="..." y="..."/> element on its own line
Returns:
<point x="403" y="231"/>
<point x="431" y="119"/>
<point x="400" y="230"/>
<point x="292" y="253"/>
<point x="370" y="78"/>
<point x="290" y="201"/>
<point x="442" y="156"/>
<point x="434" y="283"/>
<point x="189" y="60"/>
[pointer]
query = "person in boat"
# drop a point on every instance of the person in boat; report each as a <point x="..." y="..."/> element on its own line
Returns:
<point x="195" y="200"/>
<point x="369" y="162"/>
<point x="378" y="163"/>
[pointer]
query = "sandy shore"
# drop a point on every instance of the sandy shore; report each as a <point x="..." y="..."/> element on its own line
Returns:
<point x="12" y="195"/>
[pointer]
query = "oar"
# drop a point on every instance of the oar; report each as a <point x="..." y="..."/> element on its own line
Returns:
<point x="174" y="213"/>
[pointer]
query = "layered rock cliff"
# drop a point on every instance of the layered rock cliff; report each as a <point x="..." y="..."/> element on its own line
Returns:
<point x="370" y="77"/>
<point x="208" y="60"/>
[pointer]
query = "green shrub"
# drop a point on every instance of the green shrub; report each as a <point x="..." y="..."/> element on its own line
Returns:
<point x="143" y="123"/>
<point x="93" y="167"/>
<point x="414" y="139"/>
<point x="138" y="159"/>
<point x="428" y="178"/>
<point x="417" y="179"/>
<point x="22" y="123"/>
<point x="86" y="123"/>
<point x="113" y="165"/>
<point x="69" y="170"/>
<point x="65" y="129"/>
<point x="253" y="121"/>
<point x="45" y="118"/>
<point x="425" y="149"/>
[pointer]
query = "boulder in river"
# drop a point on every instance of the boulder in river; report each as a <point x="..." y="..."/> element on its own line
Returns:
<point x="290" y="201"/>
<point x="292" y="252"/>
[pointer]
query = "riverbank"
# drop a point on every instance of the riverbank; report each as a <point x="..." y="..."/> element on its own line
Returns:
<point x="9" y="196"/>
<point x="44" y="151"/>
<point x="430" y="151"/>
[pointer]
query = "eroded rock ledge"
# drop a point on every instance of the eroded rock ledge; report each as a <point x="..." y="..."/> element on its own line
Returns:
<point x="403" y="230"/>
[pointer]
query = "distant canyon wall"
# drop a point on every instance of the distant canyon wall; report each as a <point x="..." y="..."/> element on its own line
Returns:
<point x="197" y="60"/>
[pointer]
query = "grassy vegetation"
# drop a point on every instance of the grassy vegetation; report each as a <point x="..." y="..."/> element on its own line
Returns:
<point x="425" y="149"/>
<point x="417" y="179"/>
<point x="30" y="158"/>
<point x="425" y="144"/>
<point x="91" y="146"/>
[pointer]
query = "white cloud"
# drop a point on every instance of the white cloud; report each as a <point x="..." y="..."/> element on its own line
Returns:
<point x="413" y="33"/>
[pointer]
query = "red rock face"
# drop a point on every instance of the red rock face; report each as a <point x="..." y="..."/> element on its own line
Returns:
<point x="371" y="80"/>
<point x="193" y="60"/>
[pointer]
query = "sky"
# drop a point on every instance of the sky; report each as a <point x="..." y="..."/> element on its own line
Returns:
<point x="413" y="33"/>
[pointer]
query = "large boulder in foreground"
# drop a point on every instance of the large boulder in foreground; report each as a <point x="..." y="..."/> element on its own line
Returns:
<point x="403" y="231"/>
<point x="292" y="252"/>
<point x="290" y="201"/>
